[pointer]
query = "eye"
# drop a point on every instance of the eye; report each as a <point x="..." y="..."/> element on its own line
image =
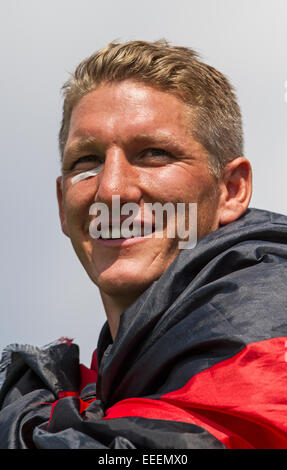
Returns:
<point x="156" y="156"/>
<point x="154" y="152"/>
<point x="82" y="162"/>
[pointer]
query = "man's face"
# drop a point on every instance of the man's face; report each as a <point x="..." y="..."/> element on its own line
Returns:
<point x="140" y="137"/>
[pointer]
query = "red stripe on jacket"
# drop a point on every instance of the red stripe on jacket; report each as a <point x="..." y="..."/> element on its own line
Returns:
<point x="242" y="401"/>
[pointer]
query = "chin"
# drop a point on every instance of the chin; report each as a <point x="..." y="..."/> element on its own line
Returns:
<point x="118" y="283"/>
<point x="122" y="287"/>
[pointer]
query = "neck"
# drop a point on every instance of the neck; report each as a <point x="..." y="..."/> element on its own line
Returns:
<point x="114" y="307"/>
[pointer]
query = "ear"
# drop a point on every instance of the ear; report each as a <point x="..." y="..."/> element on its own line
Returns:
<point x="61" y="205"/>
<point x="235" y="190"/>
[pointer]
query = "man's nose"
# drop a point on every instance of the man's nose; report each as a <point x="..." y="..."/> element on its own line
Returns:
<point x="118" y="177"/>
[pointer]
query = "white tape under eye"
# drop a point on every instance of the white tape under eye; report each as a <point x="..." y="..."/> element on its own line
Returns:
<point x="87" y="174"/>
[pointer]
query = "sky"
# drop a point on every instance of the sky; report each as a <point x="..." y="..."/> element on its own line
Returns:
<point x="45" y="293"/>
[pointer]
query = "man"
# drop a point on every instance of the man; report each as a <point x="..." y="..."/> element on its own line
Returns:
<point x="193" y="351"/>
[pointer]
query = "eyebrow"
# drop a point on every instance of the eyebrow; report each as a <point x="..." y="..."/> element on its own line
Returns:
<point x="159" y="138"/>
<point x="76" y="147"/>
<point x="92" y="142"/>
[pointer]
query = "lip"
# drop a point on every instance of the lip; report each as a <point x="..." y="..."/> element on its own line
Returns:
<point x="127" y="241"/>
<point x="121" y="242"/>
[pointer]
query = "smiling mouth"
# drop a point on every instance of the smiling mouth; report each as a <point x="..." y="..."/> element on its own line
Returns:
<point x="118" y="233"/>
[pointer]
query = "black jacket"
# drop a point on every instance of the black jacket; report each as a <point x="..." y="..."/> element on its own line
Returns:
<point x="199" y="360"/>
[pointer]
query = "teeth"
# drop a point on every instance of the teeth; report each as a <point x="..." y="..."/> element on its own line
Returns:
<point x="116" y="232"/>
<point x="105" y="233"/>
<point x="147" y="230"/>
<point x="136" y="232"/>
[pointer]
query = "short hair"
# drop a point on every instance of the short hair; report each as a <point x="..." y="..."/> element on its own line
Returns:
<point x="215" y="114"/>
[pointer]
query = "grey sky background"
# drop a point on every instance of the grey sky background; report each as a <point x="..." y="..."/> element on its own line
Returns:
<point x="45" y="293"/>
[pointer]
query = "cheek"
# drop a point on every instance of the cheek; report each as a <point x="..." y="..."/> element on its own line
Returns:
<point x="161" y="184"/>
<point x="78" y="199"/>
<point x="177" y="183"/>
<point x="186" y="184"/>
<point x="207" y="210"/>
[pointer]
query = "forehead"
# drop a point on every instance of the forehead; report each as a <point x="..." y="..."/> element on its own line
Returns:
<point x="119" y="109"/>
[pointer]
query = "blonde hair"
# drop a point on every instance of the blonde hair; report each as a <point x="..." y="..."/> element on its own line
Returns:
<point x="216" y="117"/>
